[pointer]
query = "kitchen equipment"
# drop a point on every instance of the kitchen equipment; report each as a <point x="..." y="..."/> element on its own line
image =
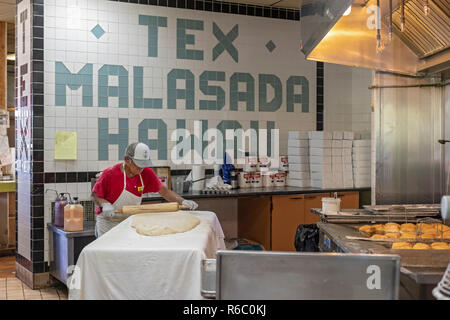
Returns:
<point x="154" y="207"/>
<point x="60" y="202"/>
<point x="73" y="216"/>
<point x="331" y="205"/>
<point x="445" y="209"/>
<point x="442" y="290"/>
<point x="198" y="176"/>
<point x="208" y="271"/>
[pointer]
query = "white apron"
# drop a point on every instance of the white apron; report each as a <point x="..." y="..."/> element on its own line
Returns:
<point x="126" y="198"/>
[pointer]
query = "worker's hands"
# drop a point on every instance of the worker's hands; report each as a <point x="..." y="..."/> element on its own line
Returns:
<point x="191" y="204"/>
<point x="108" y="210"/>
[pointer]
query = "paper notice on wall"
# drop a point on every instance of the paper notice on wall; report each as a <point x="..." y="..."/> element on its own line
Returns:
<point x="5" y="154"/>
<point x="66" y="145"/>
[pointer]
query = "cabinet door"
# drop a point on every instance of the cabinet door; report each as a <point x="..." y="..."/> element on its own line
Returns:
<point x="349" y="200"/>
<point x="313" y="201"/>
<point x="287" y="214"/>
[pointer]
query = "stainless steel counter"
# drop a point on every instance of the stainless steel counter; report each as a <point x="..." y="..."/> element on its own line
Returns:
<point x="66" y="246"/>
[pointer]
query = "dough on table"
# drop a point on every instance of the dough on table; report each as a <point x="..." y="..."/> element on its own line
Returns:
<point x="162" y="223"/>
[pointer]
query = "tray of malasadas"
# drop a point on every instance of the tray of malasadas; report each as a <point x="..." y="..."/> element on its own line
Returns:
<point x="406" y="232"/>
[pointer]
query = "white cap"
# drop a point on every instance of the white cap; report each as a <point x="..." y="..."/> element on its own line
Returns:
<point x="139" y="153"/>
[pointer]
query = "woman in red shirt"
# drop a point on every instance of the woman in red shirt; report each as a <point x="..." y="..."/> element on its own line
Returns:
<point x="124" y="184"/>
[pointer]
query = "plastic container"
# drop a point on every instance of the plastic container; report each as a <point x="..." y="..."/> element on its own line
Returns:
<point x="257" y="180"/>
<point x="331" y="205"/>
<point x="245" y="180"/>
<point x="73" y="216"/>
<point x="284" y="163"/>
<point x="264" y="163"/>
<point x="60" y="202"/>
<point x="268" y="179"/>
<point x="280" y="179"/>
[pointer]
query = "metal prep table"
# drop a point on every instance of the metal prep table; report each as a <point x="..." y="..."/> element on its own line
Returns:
<point x="415" y="282"/>
<point x="66" y="246"/>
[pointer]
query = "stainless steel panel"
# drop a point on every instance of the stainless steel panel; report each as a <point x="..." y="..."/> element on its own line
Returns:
<point x="408" y="124"/>
<point x="282" y="275"/>
<point x="446" y="162"/>
<point x="208" y="276"/>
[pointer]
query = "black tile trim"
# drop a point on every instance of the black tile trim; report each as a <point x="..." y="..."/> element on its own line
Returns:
<point x="86" y="176"/>
<point x="319" y="96"/>
<point x="224" y="7"/>
<point x="24" y="262"/>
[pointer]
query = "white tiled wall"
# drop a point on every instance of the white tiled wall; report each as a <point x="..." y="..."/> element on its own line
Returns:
<point x="68" y="38"/>
<point x="347" y="98"/>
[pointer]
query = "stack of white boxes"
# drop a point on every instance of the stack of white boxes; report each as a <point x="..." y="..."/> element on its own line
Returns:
<point x="337" y="165"/>
<point x="320" y="159"/>
<point x="361" y="163"/>
<point x="347" y="143"/>
<point x="298" y="159"/>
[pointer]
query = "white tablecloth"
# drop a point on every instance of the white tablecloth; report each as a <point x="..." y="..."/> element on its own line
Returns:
<point x="123" y="264"/>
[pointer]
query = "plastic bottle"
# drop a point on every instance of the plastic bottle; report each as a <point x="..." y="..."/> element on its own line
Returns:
<point x="73" y="216"/>
<point x="60" y="203"/>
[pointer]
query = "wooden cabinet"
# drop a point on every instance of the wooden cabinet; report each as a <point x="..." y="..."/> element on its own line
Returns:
<point x="287" y="214"/>
<point x="254" y="219"/>
<point x="313" y="200"/>
<point x="349" y="200"/>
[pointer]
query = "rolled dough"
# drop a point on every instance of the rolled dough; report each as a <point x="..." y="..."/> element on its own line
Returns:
<point x="161" y="223"/>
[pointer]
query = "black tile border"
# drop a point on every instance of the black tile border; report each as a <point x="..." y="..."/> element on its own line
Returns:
<point x="222" y="7"/>
<point x="319" y="96"/>
<point x="86" y="176"/>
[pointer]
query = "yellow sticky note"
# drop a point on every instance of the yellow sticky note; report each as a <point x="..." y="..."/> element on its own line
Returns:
<point x="66" y="145"/>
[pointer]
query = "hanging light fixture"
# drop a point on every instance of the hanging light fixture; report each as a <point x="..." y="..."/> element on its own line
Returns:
<point x="426" y="7"/>
<point x="402" y="17"/>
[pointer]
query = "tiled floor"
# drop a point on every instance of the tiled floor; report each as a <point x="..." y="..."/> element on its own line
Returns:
<point x="11" y="288"/>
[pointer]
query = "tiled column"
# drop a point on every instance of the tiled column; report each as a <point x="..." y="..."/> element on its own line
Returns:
<point x="30" y="266"/>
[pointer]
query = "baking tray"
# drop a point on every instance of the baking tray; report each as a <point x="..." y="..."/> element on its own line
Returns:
<point x="365" y="215"/>
<point x="410" y="209"/>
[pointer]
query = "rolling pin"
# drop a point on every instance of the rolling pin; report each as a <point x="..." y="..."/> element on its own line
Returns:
<point x="155" y="207"/>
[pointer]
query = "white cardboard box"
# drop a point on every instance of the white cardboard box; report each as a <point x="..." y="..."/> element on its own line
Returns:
<point x="363" y="156"/>
<point x="298" y="143"/>
<point x="321" y="176"/>
<point x="320" y="168"/>
<point x="346" y="151"/>
<point x="347" y="167"/>
<point x="348" y="135"/>
<point x="361" y="163"/>
<point x="361" y="143"/>
<point x="322" y="183"/>
<point x="361" y="171"/>
<point x="336" y="159"/>
<point x="347" y="159"/>
<point x="298" y="135"/>
<point x="361" y="150"/>
<point x="337" y="167"/>
<point x="314" y="143"/>
<point x="292" y="151"/>
<point x="361" y="177"/>
<point x="298" y="167"/>
<point x="298" y="183"/>
<point x="320" y="135"/>
<point x="336" y="151"/>
<point x="320" y="152"/>
<point x="338" y="135"/>
<point x="298" y="159"/>
<point x="319" y="160"/>
<point x="336" y="144"/>
<point x="299" y="175"/>
<point x="347" y="143"/>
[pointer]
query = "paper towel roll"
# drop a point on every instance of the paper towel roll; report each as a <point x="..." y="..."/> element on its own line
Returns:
<point x="198" y="172"/>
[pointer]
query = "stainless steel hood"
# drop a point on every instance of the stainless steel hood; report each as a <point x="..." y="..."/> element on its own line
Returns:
<point x="422" y="48"/>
